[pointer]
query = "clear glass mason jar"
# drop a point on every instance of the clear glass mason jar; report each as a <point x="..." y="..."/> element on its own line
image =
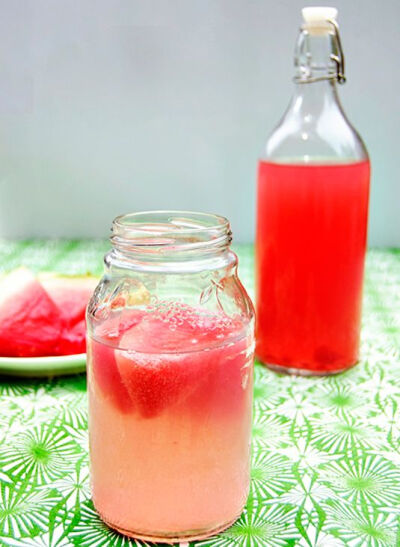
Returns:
<point x="170" y="359"/>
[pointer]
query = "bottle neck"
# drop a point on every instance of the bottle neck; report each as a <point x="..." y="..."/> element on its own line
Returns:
<point x="319" y="56"/>
<point x="319" y="67"/>
<point x="313" y="98"/>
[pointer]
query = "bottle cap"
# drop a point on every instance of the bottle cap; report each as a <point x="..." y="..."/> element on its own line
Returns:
<point x="318" y="20"/>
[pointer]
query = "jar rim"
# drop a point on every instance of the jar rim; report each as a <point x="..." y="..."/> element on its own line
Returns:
<point x="163" y="231"/>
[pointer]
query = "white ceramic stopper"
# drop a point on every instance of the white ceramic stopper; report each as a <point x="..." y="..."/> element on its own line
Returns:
<point x="316" y="19"/>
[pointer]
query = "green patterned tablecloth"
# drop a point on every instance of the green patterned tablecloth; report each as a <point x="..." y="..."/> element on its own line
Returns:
<point x="326" y="451"/>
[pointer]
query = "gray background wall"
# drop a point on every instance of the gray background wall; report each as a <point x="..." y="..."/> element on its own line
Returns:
<point x="121" y="105"/>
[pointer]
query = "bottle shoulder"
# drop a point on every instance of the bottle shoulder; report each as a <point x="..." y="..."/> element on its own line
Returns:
<point x="307" y="134"/>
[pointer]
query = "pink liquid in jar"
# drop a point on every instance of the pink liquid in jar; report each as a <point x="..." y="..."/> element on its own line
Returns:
<point x="170" y="398"/>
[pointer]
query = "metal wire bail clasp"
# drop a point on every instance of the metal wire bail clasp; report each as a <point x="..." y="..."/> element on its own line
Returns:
<point x="309" y="71"/>
<point x="338" y="55"/>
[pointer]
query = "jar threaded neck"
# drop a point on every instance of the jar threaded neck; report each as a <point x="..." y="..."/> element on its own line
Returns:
<point x="170" y="233"/>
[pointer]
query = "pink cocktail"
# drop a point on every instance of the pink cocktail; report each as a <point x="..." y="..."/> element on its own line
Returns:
<point x="170" y="417"/>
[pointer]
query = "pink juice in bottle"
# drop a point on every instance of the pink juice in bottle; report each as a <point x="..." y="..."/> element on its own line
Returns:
<point x="311" y="243"/>
<point x="170" y="418"/>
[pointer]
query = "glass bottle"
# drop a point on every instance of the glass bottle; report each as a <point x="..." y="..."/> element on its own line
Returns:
<point x="170" y="355"/>
<point x="313" y="192"/>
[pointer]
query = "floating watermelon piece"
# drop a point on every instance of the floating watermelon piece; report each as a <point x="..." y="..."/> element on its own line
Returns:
<point x="163" y="370"/>
<point x="155" y="383"/>
<point x="181" y="356"/>
<point x="117" y="324"/>
<point x="101" y="355"/>
<point x="30" y="323"/>
<point x="107" y="376"/>
<point x="71" y="295"/>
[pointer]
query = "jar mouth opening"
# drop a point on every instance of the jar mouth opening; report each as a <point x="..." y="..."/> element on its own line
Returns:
<point x="170" y="231"/>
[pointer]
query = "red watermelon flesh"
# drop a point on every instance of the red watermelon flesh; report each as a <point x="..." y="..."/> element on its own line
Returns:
<point x="102" y="356"/>
<point x="72" y="339"/>
<point x="174" y="355"/>
<point x="30" y="325"/>
<point x="107" y="376"/>
<point x="71" y="295"/>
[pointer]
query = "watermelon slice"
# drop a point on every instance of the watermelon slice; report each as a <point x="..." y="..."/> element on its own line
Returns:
<point x="71" y="295"/>
<point x="153" y="383"/>
<point x="72" y="339"/>
<point x="107" y="376"/>
<point x="30" y="324"/>
<point x="163" y="367"/>
<point x="154" y="380"/>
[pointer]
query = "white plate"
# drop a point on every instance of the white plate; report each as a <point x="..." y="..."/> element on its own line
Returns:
<point x="35" y="367"/>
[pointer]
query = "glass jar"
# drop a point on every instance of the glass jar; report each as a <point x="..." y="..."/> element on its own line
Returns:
<point x="170" y="356"/>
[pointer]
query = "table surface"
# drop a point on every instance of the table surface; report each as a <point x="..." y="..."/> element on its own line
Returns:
<point x="326" y="451"/>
